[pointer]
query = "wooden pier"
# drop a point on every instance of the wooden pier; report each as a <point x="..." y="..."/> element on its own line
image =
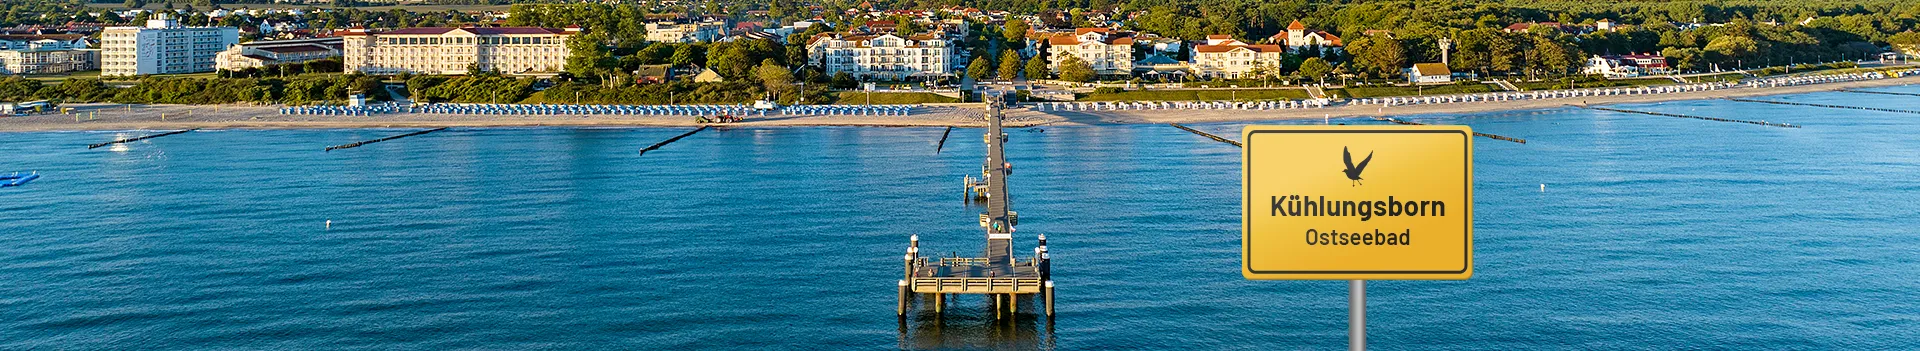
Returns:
<point x="1208" y="135"/>
<point x="1825" y="105"/>
<point x="128" y="140"/>
<point x="1479" y="134"/>
<point x="1715" y="119"/>
<point x="656" y="146"/>
<point x="359" y="143"/>
<point x="999" y="272"/>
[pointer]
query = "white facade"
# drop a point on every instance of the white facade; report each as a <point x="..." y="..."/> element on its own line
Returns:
<point x="1298" y="38"/>
<point x="885" y="56"/>
<point x="48" y="61"/>
<point x="1108" y="52"/>
<point x="162" y="47"/>
<point x="674" y="32"/>
<point x="1232" y="59"/>
<point x="443" y="50"/>
<point x="262" y="53"/>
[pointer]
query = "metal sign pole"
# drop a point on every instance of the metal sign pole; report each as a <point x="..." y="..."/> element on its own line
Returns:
<point x="1357" y="315"/>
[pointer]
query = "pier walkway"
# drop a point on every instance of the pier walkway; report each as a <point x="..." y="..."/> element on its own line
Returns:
<point x="998" y="273"/>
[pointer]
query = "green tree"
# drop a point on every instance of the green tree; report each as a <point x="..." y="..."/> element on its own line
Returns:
<point x="134" y="4"/>
<point x="687" y="54"/>
<point x="1009" y="65"/>
<point x="1379" y="55"/>
<point x="1315" y="69"/>
<point x="589" y="58"/>
<point x="1907" y="42"/>
<point x="776" y="79"/>
<point x="1037" y="68"/>
<point x="978" y="69"/>
<point x="1073" y="69"/>
<point x="1015" y="30"/>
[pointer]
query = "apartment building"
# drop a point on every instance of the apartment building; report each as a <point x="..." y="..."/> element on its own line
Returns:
<point x="883" y="56"/>
<point x="163" y="46"/>
<point x="530" y="51"/>
<point x="1109" y="52"/>
<point x="48" y="53"/>
<point x="687" y="32"/>
<point x="259" y="54"/>
<point x="1224" y="57"/>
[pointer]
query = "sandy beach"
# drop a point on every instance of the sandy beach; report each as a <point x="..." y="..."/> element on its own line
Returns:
<point x="153" y="117"/>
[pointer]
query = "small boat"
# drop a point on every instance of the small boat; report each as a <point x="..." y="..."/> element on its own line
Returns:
<point x="17" y="179"/>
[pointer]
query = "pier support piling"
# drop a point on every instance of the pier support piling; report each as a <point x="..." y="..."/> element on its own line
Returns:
<point x="903" y="299"/>
<point x="1049" y="297"/>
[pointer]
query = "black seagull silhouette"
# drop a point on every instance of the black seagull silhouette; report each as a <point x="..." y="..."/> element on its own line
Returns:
<point x="1353" y="171"/>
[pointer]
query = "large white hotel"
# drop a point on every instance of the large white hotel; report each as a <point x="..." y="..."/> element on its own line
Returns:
<point x="528" y="51"/>
<point x="163" y="46"/>
<point x="884" y="56"/>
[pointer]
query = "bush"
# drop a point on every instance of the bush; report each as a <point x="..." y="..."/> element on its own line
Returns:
<point x="1108" y="90"/>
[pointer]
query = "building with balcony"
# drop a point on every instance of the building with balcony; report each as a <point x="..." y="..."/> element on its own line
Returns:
<point x="530" y="51"/>
<point x="883" y="56"/>
<point x="46" y="54"/>
<point x="686" y="32"/>
<point x="1109" y="52"/>
<point x="1224" y="57"/>
<point x="163" y="46"/>
<point x="259" y="54"/>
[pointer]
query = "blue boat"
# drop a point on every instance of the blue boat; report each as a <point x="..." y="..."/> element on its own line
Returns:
<point x="17" y="180"/>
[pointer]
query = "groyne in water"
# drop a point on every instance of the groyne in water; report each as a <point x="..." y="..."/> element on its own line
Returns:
<point x="360" y="143"/>
<point x="1479" y="134"/>
<point x="1205" y="134"/>
<point x="656" y="146"/>
<point x="1826" y="106"/>
<point x="1716" y="119"/>
<point x="93" y="146"/>
<point x="1876" y="92"/>
<point x="943" y="140"/>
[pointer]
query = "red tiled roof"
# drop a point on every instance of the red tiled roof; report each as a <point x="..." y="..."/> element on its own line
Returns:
<point x="1296" y="25"/>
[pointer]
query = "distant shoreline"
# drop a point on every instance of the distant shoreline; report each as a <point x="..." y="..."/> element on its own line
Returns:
<point x="106" y="117"/>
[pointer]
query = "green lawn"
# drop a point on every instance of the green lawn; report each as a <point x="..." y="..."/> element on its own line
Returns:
<point x="860" y="98"/>
<point x="1561" y="84"/>
<point x="1382" y="91"/>
<point x="1723" y="77"/>
<point x="1198" y="95"/>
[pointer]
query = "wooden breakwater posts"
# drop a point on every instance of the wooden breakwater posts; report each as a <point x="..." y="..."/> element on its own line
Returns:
<point x="1205" y="134"/>
<point x="360" y="143"/>
<point x="128" y="140"/>
<point x="1716" y="119"/>
<point x="1825" y="105"/>
<point x="943" y="140"/>
<point x="1484" y="135"/>
<point x="1876" y="92"/>
<point x="656" y="146"/>
<point x="998" y="273"/>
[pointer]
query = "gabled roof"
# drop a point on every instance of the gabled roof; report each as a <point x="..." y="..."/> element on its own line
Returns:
<point x="1296" y="25"/>
<point x="1431" y="69"/>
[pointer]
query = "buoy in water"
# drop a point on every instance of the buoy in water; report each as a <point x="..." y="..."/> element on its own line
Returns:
<point x="329" y="224"/>
<point x="1543" y="187"/>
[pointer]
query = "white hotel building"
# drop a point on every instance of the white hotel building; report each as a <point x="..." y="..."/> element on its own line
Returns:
<point x="162" y="47"/>
<point x="885" y="56"/>
<point x="529" y="51"/>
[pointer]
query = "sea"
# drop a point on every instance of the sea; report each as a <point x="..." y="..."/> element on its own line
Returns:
<point x="1604" y="231"/>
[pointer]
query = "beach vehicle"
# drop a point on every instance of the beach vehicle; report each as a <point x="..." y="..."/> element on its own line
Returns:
<point x="17" y="179"/>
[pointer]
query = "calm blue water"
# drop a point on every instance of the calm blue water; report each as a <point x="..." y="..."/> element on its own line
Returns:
<point x="1653" y="233"/>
